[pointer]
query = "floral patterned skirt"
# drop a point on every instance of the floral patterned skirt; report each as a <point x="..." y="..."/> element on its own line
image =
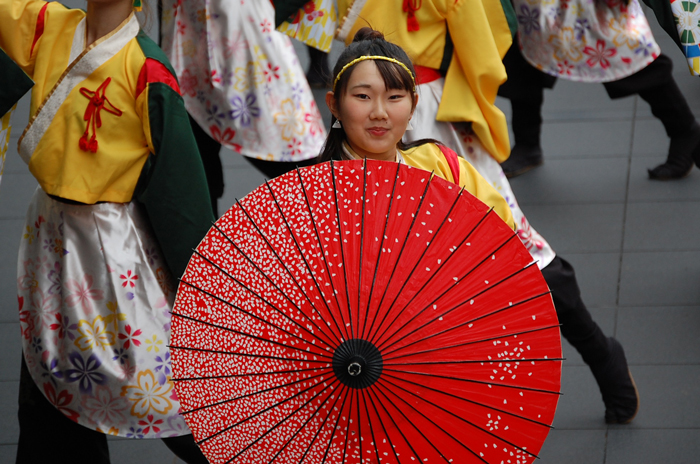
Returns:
<point x="585" y="40"/>
<point x="460" y="138"/>
<point x="94" y="300"/>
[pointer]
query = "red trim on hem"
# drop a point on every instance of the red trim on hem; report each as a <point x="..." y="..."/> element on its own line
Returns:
<point x="425" y="75"/>
<point x="452" y="161"/>
<point x="155" y="71"/>
<point x="40" y="23"/>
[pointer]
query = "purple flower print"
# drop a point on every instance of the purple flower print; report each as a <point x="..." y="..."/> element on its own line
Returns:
<point x="120" y="354"/>
<point x="52" y="371"/>
<point x="163" y="368"/>
<point x="134" y="433"/>
<point x="36" y="344"/>
<point x="55" y="279"/>
<point x="85" y="372"/>
<point x="580" y="28"/>
<point x="244" y="110"/>
<point x="529" y="19"/>
<point x="214" y="114"/>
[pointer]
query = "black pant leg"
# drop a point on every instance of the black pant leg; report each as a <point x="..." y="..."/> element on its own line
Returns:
<point x="46" y="435"/>
<point x="577" y="325"/>
<point x="186" y="449"/>
<point x="272" y="169"/>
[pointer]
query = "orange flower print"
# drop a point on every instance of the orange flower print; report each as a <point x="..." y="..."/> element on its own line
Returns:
<point x="148" y="395"/>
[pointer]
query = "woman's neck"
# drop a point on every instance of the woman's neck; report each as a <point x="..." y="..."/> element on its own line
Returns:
<point x="103" y="18"/>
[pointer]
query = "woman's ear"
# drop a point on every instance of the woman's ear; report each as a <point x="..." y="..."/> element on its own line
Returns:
<point x="332" y="103"/>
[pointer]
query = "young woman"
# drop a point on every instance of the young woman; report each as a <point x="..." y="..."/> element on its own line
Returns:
<point x="122" y="200"/>
<point x="457" y="48"/>
<point x="372" y="102"/>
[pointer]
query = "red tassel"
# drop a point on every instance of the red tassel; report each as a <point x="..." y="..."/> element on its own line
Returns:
<point x="410" y="7"/>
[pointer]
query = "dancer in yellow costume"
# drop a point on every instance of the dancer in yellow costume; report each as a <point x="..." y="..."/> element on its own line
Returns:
<point x="121" y="202"/>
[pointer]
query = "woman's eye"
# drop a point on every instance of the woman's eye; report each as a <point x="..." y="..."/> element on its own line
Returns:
<point x="396" y="97"/>
<point x="362" y="96"/>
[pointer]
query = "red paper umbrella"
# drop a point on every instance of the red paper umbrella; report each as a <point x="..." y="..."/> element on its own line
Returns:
<point x="354" y="312"/>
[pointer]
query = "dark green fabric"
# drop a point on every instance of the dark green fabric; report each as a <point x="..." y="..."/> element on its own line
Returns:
<point x="286" y="8"/>
<point x="664" y="15"/>
<point x="173" y="187"/>
<point x="152" y="50"/>
<point x="511" y="17"/>
<point x="14" y="83"/>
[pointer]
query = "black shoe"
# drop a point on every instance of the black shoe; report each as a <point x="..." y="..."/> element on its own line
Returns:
<point x="617" y="386"/>
<point x="684" y="150"/>
<point x="522" y="159"/>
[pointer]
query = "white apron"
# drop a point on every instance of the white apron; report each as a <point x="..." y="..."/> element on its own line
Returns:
<point x="460" y="138"/>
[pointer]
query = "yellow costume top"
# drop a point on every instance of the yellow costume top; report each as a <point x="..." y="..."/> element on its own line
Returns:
<point x="478" y="38"/>
<point x="446" y="164"/>
<point x="84" y="101"/>
<point x="107" y="122"/>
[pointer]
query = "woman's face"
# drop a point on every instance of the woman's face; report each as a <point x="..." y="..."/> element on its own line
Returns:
<point x="374" y="118"/>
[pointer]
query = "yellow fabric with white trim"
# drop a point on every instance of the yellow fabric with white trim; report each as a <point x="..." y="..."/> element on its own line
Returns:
<point x="58" y="163"/>
<point x="429" y="157"/>
<point x="481" y="37"/>
<point x="5" y="129"/>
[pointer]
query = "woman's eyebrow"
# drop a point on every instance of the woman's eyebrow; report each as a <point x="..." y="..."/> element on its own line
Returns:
<point x="361" y="85"/>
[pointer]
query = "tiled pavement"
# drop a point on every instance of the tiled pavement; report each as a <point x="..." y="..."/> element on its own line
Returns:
<point x="633" y="243"/>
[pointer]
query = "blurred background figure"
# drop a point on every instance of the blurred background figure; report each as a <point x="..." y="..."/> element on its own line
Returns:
<point x="602" y="41"/>
<point x="243" y="86"/>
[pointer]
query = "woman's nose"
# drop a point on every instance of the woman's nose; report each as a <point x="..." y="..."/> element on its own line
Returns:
<point x="378" y="110"/>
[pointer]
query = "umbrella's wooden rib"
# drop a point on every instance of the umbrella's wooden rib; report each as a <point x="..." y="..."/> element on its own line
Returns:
<point x="342" y="251"/>
<point x="225" y="429"/>
<point x="475" y="361"/>
<point x="380" y="254"/>
<point x="480" y="382"/>
<point x="347" y="435"/>
<point x="303" y="257"/>
<point x="278" y="424"/>
<point x="371" y="429"/>
<point x="284" y="266"/>
<point x="381" y="422"/>
<point x="503" y="411"/>
<point x="247" y="355"/>
<point x="477" y="225"/>
<point x="252" y="374"/>
<point x="425" y="250"/>
<point x="471" y="321"/>
<point x="362" y="242"/>
<point x="379" y="389"/>
<point x="311" y="444"/>
<point x="473" y="342"/>
<point x="255" y="337"/>
<point x="311" y="416"/>
<point x="370" y="337"/>
<point x="437" y="271"/>
<point x="268" y="278"/>
<point x="453" y="415"/>
<point x="337" y="421"/>
<point x="189" y="284"/>
<point x="325" y="262"/>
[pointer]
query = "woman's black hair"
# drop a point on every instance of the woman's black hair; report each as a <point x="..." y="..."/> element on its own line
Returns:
<point x="366" y="42"/>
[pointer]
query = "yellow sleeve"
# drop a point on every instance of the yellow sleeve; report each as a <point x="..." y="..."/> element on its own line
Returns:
<point x="18" y="27"/>
<point x="480" y="33"/>
<point x="474" y="183"/>
<point x="4" y="137"/>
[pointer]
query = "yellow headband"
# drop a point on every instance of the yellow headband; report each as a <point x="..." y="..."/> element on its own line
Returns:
<point x="374" y="57"/>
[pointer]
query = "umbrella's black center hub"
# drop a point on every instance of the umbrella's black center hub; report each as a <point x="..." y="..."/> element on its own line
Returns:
<point x="357" y="363"/>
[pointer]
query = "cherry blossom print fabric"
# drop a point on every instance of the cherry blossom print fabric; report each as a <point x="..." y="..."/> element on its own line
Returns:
<point x="461" y="139"/>
<point x="241" y="79"/>
<point x="585" y="40"/>
<point x="94" y="305"/>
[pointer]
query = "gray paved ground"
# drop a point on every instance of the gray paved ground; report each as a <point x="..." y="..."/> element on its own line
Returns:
<point x="633" y="242"/>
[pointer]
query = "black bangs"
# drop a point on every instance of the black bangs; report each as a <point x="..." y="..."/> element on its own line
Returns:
<point x="395" y="77"/>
